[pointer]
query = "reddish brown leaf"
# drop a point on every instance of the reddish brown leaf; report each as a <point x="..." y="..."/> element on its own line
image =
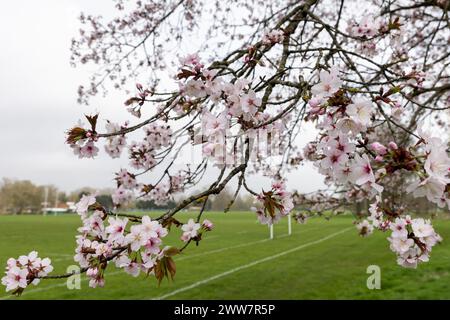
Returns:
<point x="93" y="121"/>
<point x="75" y="134"/>
<point x="185" y="73"/>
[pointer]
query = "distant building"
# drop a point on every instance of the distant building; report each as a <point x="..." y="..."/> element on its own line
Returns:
<point x="60" y="208"/>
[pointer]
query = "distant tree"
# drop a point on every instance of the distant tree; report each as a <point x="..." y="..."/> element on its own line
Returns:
<point x="150" y="205"/>
<point x="62" y="197"/>
<point x="243" y="203"/>
<point x="226" y="199"/>
<point x="222" y="200"/>
<point x="105" y="200"/>
<point x="20" y="197"/>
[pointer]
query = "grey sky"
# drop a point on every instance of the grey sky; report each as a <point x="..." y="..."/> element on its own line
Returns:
<point x="38" y="98"/>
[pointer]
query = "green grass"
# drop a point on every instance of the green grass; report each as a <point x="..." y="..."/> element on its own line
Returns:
<point x="332" y="269"/>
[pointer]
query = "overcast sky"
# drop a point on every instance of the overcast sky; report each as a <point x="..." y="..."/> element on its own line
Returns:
<point x="38" y="98"/>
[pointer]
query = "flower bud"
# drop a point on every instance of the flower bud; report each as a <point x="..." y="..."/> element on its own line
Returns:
<point x="393" y="145"/>
<point x="379" y="148"/>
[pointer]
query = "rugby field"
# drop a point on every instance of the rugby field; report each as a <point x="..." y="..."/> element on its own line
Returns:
<point x="320" y="260"/>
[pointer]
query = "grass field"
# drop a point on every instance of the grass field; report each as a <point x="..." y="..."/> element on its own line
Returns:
<point x="320" y="260"/>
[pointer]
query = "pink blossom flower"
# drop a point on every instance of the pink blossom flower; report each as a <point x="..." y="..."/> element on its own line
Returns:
<point x="362" y="170"/>
<point x="250" y="103"/>
<point x="97" y="282"/>
<point x="422" y="228"/>
<point x="89" y="150"/>
<point x="365" y="228"/>
<point x="103" y="250"/>
<point x="272" y="37"/>
<point x="84" y="203"/>
<point x="392" y="145"/>
<point x="92" y="272"/>
<point x="153" y="245"/>
<point x="328" y="85"/>
<point x="208" y="225"/>
<point x="15" y="278"/>
<point x="116" y="228"/>
<point x="401" y="245"/>
<point x="136" y="238"/>
<point x="437" y="163"/>
<point x="150" y="227"/>
<point x="398" y="228"/>
<point x="190" y="60"/>
<point x="379" y="148"/>
<point x="190" y="229"/>
<point x="129" y="266"/>
<point x="431" y="187"/>
<point x="360" y="110"/>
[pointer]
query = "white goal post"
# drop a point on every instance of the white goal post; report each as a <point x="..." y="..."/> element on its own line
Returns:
<point x="289" y="228"/>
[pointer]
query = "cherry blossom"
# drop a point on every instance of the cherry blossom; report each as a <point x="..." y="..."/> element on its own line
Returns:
<point x="272" y="37"/>
<point x="84" y="203"/>
<point x="190" y="230"/>
<point x="116" y="229"/>
<point x="15" y="278"/>
<point x="208" y="225"/>
<point x="328" y="85"/>
<point x="362" y="170"/>
<point x="412" y="240"/>
<point x="365" y="228"/>
<point x="136" y="238"/>
<point x="368" y="27"/>
<point x="360" y="111"/>
<point x="274" y="204"/>
<point x="27" y="269"/>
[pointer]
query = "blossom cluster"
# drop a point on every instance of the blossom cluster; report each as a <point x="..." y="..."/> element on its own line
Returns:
<point x="27" y="269"/>
<point x="273" y="36"/>
<point x="412" y="240"/>
<point x="342" y="126"/>
<point x="369" y="28"/>
<point x="237" y="108"/>
<point x="143" y="154"/>
<point x="83" y="143"/>
<point x="365" y="228"/>
<point x="433" y="182"/>
<point x="135" y="248"/>
<point x="261" y="93"/>
<point x="300" y="217"/>
<point x="346" y="156"/>
<point x="239" y="99"/>
<point x="193" y="230"/>
<point x="274" y="204"/>
<point x="116" y="143"/>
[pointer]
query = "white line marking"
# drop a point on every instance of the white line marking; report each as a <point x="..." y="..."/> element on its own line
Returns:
<point x="59" y="255"/>
<point x="248" y="265"/>
<point x="233" y="247"/>
<point x="62" y="259"/>
<point x="210" y="237"/>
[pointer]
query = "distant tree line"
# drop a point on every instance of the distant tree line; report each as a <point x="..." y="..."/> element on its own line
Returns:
<point x="25" y="197"/>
